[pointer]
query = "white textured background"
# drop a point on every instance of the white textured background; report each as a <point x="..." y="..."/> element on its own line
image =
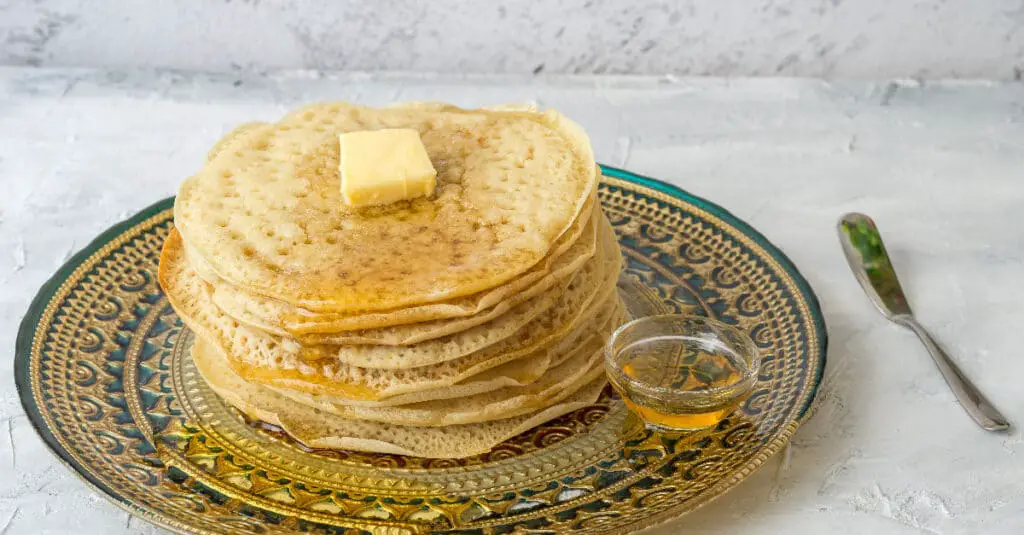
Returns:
<point x="817" y="38"/>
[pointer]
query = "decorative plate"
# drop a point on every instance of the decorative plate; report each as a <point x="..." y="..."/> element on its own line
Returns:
<point x="104" y="374"/>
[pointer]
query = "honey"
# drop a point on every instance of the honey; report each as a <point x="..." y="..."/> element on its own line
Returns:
<point x="682" y="380"/>
<point x="710" y="372"/>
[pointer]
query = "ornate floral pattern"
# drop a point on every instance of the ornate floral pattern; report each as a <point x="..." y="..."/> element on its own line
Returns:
<point x="104" y="374"/>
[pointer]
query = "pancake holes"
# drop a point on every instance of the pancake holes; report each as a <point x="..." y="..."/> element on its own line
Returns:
<point x="332" y="240"/>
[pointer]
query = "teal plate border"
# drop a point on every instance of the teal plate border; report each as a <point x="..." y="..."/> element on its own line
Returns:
<point x="27" y="331"/>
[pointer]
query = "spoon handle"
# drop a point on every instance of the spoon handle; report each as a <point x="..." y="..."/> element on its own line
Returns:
<point x="971" y="399"/>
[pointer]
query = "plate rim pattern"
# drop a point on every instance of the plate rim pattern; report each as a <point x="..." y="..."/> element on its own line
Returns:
<point x="27" y="333"/>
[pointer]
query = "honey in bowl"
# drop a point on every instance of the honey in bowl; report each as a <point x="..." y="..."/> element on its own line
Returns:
<point x="681" y="372"/>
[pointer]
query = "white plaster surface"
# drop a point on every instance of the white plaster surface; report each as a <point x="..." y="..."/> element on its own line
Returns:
<point x="815" y="38"/>
<point x="940" y="166"/>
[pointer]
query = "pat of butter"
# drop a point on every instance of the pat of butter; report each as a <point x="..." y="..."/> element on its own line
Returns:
<point x="384" y="166"/>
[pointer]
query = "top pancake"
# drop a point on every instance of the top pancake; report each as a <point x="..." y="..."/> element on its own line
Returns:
<point x="266" y="211"/>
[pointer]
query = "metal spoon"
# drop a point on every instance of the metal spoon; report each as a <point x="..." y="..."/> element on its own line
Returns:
<point x="870" y="264"/>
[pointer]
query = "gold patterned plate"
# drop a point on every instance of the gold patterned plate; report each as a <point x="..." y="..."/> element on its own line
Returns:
<point x="103" y="371"/>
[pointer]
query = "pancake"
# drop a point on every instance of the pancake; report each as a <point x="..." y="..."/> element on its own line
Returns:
<point x="263" y="358"/>
<point x="317" y="429"/>
<point x="557" y="309"/>
<point x="357" y="383"/>
<point x="236" y="134"/>
<point x="279" y="318"/>
<point x="584" y="365"/>
<point x="267" y="215"/>
<point x="580" y="290"/>
<point x="518" y="372"/>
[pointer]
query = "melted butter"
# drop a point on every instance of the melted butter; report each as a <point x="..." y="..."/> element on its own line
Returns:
<point x="310" y="353"/>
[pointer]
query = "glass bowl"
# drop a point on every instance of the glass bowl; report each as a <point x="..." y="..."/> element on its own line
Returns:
<point x="681" y="372"/>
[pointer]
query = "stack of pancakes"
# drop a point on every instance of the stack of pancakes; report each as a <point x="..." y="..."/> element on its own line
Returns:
<point x="436" y="327"/>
